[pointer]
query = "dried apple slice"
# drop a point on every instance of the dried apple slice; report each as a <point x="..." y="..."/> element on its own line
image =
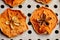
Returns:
<point x="13" y="22"/>
<point x="43" y="20"/>
<point x="13" y="3"/>
<point x="43" y="1"/>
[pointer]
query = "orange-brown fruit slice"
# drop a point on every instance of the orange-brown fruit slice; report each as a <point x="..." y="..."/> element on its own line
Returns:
<point x="43" y="1"/>
<point x="13" y="22"/>
<point x="13" y="3"/>
<point x="44" y="20"/>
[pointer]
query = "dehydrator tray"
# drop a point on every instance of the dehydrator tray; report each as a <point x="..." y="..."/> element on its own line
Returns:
<point x="27" y="8"/>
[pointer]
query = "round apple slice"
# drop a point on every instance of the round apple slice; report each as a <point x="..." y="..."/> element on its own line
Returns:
<point x="13" y="3"/>
<point x="43" y="20"/>
<point x="13" y="22"/>
<point x="43" y="1"/>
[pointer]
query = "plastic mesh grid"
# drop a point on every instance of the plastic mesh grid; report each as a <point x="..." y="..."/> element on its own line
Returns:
<point x="27" y="8"/>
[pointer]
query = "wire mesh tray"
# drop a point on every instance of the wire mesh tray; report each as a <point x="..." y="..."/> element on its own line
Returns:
<point x="27" y="8"/>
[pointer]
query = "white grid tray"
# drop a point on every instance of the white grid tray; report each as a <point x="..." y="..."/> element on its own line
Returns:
<point x="31" y="35"/>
